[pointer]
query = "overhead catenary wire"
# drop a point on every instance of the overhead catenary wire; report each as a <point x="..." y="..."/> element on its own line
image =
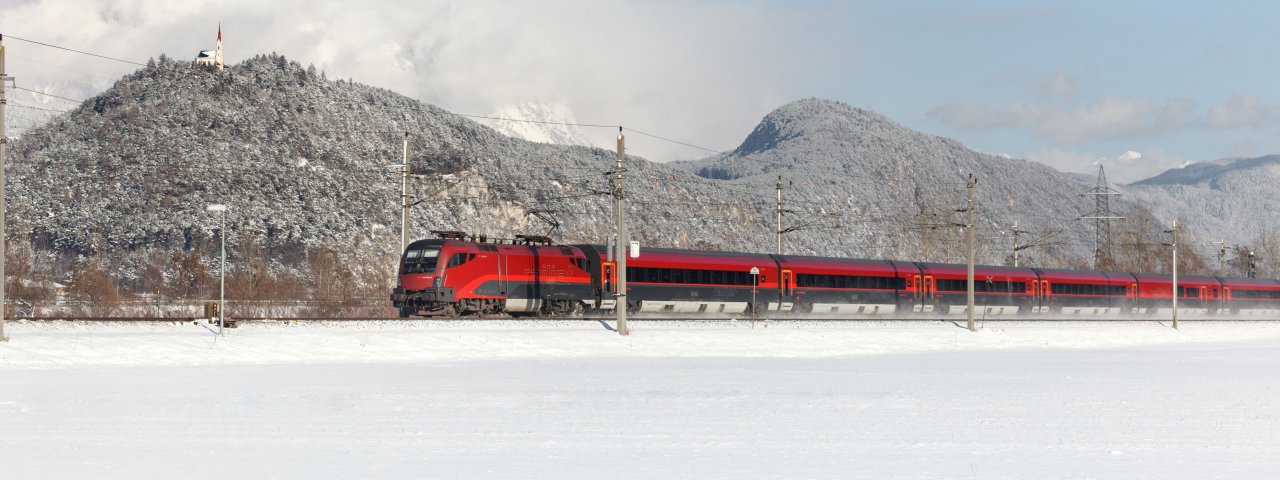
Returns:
<point x="19" y="105"/>
<point x="8" y="36"/>
<point x="48" y="94"/>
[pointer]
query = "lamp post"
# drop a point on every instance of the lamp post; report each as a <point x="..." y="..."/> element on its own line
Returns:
<point x="222" y="265"/>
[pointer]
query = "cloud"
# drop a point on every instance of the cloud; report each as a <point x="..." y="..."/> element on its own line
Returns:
<point x="1108" y="119"/>
<point x="1127" y="167"/>
<point x="1241" y="110"/>
<point x="1057" y="86"/>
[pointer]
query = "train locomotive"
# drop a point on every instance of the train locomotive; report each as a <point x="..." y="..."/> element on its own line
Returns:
<point x="456" y="275"/>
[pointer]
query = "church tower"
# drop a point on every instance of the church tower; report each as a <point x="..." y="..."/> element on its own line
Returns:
<point x="212" y="59"/>
<point x="217" y="55"/>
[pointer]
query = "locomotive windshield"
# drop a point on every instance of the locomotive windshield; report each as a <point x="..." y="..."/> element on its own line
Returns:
<point x="421" y="261"/>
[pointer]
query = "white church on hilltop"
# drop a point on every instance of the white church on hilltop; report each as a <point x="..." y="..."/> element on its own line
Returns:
<point x="212" y="59"/>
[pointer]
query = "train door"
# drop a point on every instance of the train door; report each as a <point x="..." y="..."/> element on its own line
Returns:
<point x="1132" y="296"/>
<point x="608" y="278"/>
<point x="1037" y="298"/>
<point x="786" y="289"/>
<point x="1044" y="296"/>
<point x="1204" y="299"/>
<point x="1033" y="296"/>
<point x="917" y="294"/>
<point x="502" y="272"/>
<point x="930" y="292"/>
<point x="1226" y="299"/>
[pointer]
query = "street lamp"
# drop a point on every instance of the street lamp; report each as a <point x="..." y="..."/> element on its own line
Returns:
<point x="222" y="265"/>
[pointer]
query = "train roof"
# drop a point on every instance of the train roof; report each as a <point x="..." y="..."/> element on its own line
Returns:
<point x="862" y="265"/>
<point x="978" y="270"/>
<point x="1061" y="274"/>
<point x="1182" y="279"/>
<point x="1239" y="282"/>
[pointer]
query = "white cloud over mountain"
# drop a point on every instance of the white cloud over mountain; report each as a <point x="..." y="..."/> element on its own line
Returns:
<point x="1107" y="119"/>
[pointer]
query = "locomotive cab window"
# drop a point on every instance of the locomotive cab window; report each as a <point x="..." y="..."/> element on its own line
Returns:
<point x="421" y="261"/>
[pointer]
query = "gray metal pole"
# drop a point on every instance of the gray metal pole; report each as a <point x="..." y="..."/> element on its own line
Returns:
<point x="4" y="140"/>
<point x="1015" y="243"/>
<point x="404" y="197"/>
<point x="222" y="277"/>
<point x="624" y="243"/>
<point x="1175" y="273"/>
<point x="969" y="227"/>
<point x="779" y="214"/>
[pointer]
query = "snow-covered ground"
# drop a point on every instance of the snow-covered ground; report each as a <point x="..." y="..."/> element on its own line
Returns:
<point x="706" y="400"/>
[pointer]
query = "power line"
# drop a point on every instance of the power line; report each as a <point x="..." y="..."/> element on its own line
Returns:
<point x="48" y="94"/>
<point x="74" y="50"/>
<point x="60" y="67"/>
<point x="38" y="108"/>
<point x="674" y="141"/>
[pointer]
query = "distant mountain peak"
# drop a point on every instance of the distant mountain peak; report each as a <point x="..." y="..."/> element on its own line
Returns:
<point x="810" y="116"/>
<point x="538" y="122"/>
<point x="1203" y="172"/>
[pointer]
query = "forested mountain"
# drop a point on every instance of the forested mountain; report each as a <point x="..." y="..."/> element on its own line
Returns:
<point x="119" y="186"/>
<point x="1232" y="201"/>
<point x="901" y="190"/>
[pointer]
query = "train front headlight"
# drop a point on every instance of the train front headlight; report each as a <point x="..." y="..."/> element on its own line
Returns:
<point x="439" y="281"/>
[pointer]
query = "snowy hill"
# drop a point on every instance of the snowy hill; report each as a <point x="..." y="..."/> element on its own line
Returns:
<point x="882" y="181"/>
<point x="1232" y="200"/>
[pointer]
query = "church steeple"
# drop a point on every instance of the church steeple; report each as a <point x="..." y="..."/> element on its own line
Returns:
<point x="217" y="56"/>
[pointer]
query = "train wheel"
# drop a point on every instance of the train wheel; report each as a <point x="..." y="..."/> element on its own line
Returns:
<point x="451" y="311"/>
<point x="406" y="311"/>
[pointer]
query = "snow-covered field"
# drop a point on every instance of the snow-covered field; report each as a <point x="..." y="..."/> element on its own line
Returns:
<point x="705" y="400"/>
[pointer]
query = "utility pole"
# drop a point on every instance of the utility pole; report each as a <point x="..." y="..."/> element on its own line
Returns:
<point x="1222" y="255"/>
<point x="1016" y="248"/>
<point x="404" y="197"/>
<point x="973" y="182"/>
<point x="4" y="141"/>
<point x="779" y="214"/>
<point x="620" y="304"/>
<point x="1174" y="231"/>
<point x="1102" y="217"/>
<point x="1253" y="272"/>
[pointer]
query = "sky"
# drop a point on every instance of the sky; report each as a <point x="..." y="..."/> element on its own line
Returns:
<point x="1138" y="86"/>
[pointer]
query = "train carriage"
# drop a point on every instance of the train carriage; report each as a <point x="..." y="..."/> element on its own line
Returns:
<point x="998" y="291"/>
<point x="1084" y="292"/>
<point x="848" y="286"/>
<point x="1251" y="297"/>
<point x="1198" y="296"/>
<point x="690" y="281"/>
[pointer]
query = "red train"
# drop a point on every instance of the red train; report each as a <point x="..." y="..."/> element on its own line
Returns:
<point x="453" y="276"/>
